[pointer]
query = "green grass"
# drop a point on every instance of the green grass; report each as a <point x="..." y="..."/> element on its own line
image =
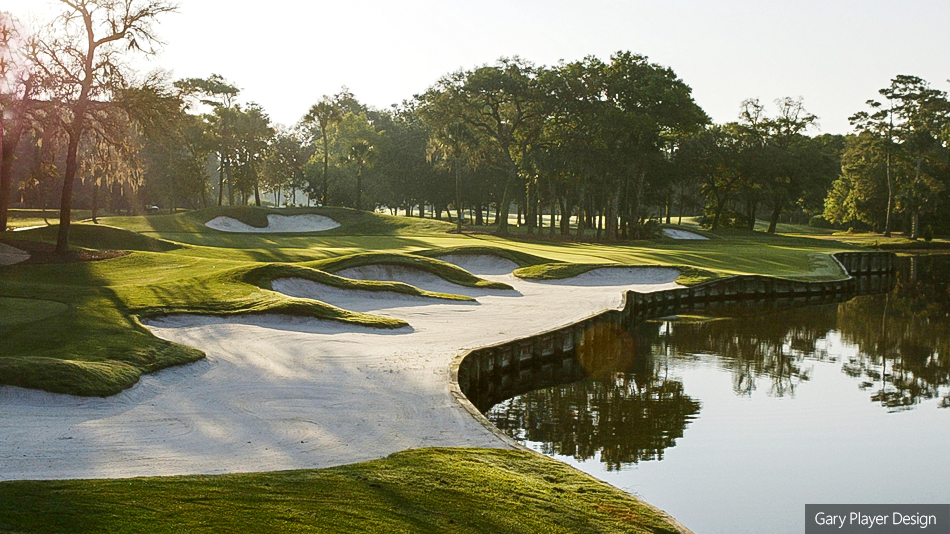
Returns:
<point x="15" y="311"/>
<point x="522" y="259"/>
<point x="444" y="270"/>
<point x="424" y="490"/>
<point x="351" y="222"/>
<point x="25" y="218"/>
<point x="97" y="346"/>
<point x="557" y="271"/>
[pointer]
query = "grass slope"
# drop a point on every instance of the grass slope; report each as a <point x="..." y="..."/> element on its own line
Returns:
<point x="444" y="270"/>
<point x="423" y="490"/>
<point x="523" y="259"/>
<point x="558" y="271"/>
<point x="352" y="222"/>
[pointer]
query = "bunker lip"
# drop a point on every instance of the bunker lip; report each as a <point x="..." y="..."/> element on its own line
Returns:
<point x="276" y="224"/>
<point x="279" y="392"/>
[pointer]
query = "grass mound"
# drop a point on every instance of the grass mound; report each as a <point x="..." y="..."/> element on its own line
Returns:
<point x="352" y="222"/>
<point x="236" y="292"/>
<point x="444" y="270"/>
<point x="423" y="490"/>
<point x="523" y="259"/>
<point x="101" y="237"/>
<point x="264" y="275"/>
<point x="689" y="276"/>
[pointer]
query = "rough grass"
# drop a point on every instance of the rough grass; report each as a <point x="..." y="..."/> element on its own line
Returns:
<point x="558" y="271"/>
<point x="424" y="490"/>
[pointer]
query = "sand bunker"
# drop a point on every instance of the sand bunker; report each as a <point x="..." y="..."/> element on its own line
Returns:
<point x="289" y="393"/>
<point x="479" y="264"/>
<point x="351" y="299"/>
<point x="418" y="278"/>
<point x="10" y="255"/>
<point x="681" y="234"/>
<point x="276" y="224"/>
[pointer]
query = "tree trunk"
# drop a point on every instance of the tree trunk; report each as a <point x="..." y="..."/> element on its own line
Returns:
<point x="890" y="197"/>
<point x="221" y="181"/>
<point x="458" y="196"/>
<point x="95" y="201"/>
<point x="7" y="153"/>
<point x="359" y="186"/>
<point x="325" y="197"/>
<point x="776" y="213"/>
<point x="66" y="202"/>
<point x="720" y="205"/>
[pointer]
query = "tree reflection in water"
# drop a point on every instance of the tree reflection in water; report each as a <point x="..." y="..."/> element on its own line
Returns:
<point x="900" y="341"/>
<point x="626" y="411"/>
<point x="897" y="346"/>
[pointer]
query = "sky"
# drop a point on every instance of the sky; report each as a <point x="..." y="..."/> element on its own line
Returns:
<point x="286" y="54"/>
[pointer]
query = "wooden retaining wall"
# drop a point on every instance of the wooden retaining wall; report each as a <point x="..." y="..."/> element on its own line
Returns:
<point x="492" y="374"/>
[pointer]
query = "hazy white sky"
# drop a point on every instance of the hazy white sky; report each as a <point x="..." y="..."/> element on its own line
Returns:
<point x="285" y="54"/>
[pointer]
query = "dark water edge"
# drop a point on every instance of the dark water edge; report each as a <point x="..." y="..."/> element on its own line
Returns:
<point x="625" y="400"/>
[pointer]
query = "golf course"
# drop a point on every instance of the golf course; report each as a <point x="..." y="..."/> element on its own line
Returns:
<point x="169" y="362"/>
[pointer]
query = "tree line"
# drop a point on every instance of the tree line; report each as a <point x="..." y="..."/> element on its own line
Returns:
<point x="590" y="148"/>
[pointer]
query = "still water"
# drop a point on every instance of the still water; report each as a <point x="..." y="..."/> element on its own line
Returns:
<point x="733" y="424"/>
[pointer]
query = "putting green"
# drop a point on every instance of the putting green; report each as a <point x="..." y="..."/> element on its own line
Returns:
<point x="14" y="311"/>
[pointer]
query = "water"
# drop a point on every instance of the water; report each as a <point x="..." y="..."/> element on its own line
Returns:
<point x="733" y="424"/>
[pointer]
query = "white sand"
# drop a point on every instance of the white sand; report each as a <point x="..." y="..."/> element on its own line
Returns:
<point x="290" y="393"/>
<point x="10" y="255"/>
<point x="480" y="264"/>
<point x="681" y="234"/>
<point x="276" y="224"/>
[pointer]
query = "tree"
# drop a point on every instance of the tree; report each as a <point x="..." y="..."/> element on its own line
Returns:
<point x="323" y="114"/>
<point x="911" y="126"/>
<point x="20" y="83"/>
<point x="360" y="155"/>
<point x="220" y="95"/>
<point x="502" y="106"/>
<point x="452" y="143"/>
<point x="252" y="133"/>
<point x="81" y="62"/>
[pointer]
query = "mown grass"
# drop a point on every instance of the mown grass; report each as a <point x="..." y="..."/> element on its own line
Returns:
<point x="97" y="346"/>
<point x="446" y="271"/>
<point x="423" y="490"/>
<point x="351" y="222"/>
<point x="558" y="271"/>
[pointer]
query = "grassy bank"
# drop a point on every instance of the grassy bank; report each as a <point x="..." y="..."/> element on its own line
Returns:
<point x="424" y="490"/>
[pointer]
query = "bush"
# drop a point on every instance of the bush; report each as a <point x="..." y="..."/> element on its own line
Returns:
<point x="728" y="219"/>
<point x="928" y="233"/>
<point x="819" y="221"/>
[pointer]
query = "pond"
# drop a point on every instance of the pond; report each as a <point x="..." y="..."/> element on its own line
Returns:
<point x="733" y="423"/>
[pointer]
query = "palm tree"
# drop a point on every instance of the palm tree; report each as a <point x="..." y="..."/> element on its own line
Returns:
<point x="324" y="113"/>
<point x="451" y="142"/>
<point x="360" y="154"/>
